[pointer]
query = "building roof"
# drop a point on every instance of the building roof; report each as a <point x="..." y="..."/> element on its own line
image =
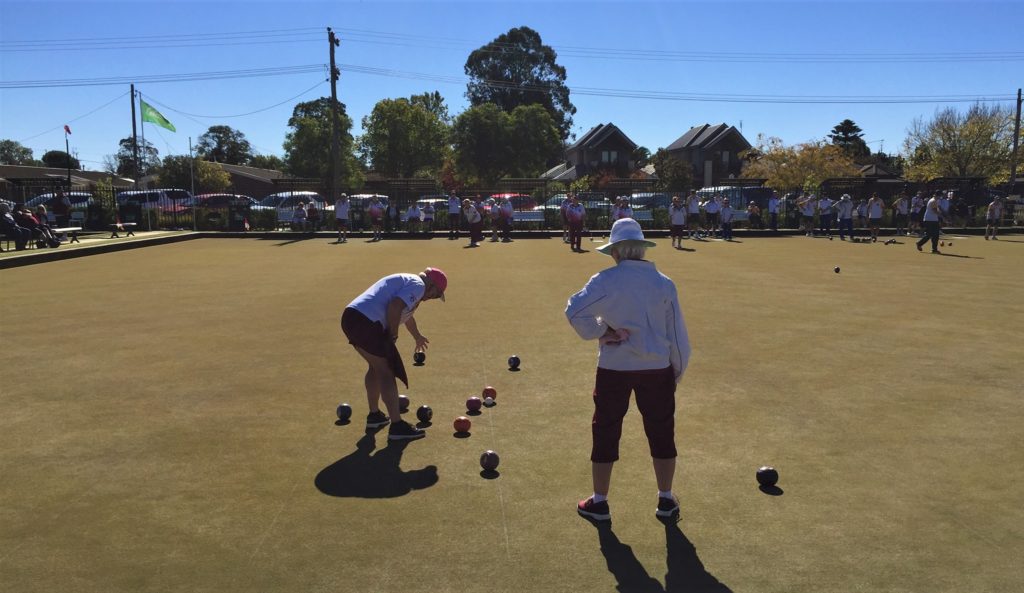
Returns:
<point x="598" y="135"/>
<point x="876" y="170"/>
<point x="15" y="173"/>
<point x="705" y="136"/>
<point x="253" y="172"/>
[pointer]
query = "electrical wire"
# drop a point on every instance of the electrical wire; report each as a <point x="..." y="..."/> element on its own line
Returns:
<point x="162" y="78"/>
<point x="71" y="121"/>
<point x="237" y="114"/>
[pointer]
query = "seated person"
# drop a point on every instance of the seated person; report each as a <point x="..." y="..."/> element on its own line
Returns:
<point x="40" y="231"/>
<point x="10" y="227"/>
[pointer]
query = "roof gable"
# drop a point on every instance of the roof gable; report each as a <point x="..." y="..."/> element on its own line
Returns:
<point x="599" y="134"/>
<point x="705" y="136"/>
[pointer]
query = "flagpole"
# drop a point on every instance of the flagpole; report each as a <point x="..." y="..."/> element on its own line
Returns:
<point x="142" y="125"/>
<point x="67" y="151"/>
<point x="192" y="179"/>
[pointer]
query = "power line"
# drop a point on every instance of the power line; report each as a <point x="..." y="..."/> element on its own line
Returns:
<point x="161" y="78"/>
<point x="237" y="114"/>
<point x="70" y="121"/>
<point x="169" y="37"/>
<point x="683" y="96"/>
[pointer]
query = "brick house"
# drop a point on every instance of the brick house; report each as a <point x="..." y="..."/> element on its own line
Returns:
<point x="712" y="151"/>
<point x="604" y="148"/>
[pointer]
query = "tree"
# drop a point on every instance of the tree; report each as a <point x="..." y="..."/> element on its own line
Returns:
<point x="403" y="138"/>
<point x="641" y="157"/>
<point x="209" y="177"/>
<point x="803" y="166"/>
<point x="13" y="153"/>
<point x="674" y="174"/>
<point x="267" y="161"/>
<point x="434" y="103"/>
<point x="978" y="143"/>
<point x="149" y="158"/>
<point x="518" y="69"/>
<point x="848" y="136"/>
<point x="59" y="159"/>
<point x="479" y="137"/>
<point x="307" y="147"/>
<point x="534" y="141"/>
<point x="224" y="144"/>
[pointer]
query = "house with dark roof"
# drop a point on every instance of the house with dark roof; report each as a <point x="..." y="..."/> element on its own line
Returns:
<point x="603" y="148"/>
<point x="21" y="182"/>
<point x="712" y="151"/>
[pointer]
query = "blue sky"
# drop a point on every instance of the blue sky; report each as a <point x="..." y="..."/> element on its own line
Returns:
<point x="922" y="49"/>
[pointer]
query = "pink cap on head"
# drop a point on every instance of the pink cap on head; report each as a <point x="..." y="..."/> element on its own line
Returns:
<point x="438" y="278"/>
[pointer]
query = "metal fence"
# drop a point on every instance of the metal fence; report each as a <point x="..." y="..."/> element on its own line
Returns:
<point x="176" y="209"/>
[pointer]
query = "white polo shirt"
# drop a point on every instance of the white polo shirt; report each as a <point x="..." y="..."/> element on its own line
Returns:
<point x="374" y="301"/>
<point x="633" y="295"/>
<point x="341" y="210"/>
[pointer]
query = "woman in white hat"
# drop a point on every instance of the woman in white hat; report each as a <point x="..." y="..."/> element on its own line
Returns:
<point x="633" y="311"/>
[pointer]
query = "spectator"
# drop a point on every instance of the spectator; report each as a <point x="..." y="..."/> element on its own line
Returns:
<point x="505" y="214"/>
<point x="312" y="217"/>
<point x="428" y="217"/>
<point x="393" y="217"/>
<point x="341" y="216"/>
<point x="622" y="210"/>
<point x="862" y="213"/>
<point x="726" y="216"/>
<point x="454" y="214"/>
<point x="693" y="215"/>
<point x="773" y="212"/>
<point x="299" y="217"/>
<point x="993" y="214"/>
<point x="633" y="311"/>
<point x="40" y="231"/>
<point x="900" y="208"/>
<point x="824" y="207"/>
<point x="61" y="209"/>
<point x="475" y="221"/>
<point x="491" y="212"/>
<point x="376" y="211"/>
<point x="10" y="227"/>
<point x="370" y="322"/>
<point x="712" y="208"/>
<point x="753" y="216"/>
<point x="875" y="209"/>
<point x="412" y="218"/>
<point x="677" y="220"/>
<point x="575" y="214"/>
<point x="565" y="218"/>
<point x="806" y="204"/>
<point x="916" y="211"/>
<point x="844" y="209"/>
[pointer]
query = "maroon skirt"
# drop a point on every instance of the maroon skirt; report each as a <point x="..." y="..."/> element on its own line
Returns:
<point x="372" y="337"/>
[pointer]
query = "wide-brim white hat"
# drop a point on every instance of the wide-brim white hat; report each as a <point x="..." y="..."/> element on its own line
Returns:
<point x="624" y="229"/>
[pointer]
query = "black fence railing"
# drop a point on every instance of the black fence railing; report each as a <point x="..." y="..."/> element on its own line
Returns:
<point x="236" y="208"/>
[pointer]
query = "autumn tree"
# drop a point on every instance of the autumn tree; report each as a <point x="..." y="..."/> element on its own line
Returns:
<point x="978" y="143"/>
<point x="803" y="166"/>
<point x="209" y="177"/>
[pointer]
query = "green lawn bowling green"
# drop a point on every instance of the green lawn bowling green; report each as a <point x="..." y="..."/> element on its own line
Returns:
<point x="164" y="423"/>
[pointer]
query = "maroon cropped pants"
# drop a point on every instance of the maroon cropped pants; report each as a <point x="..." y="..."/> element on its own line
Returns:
<point x="655" y="397"/>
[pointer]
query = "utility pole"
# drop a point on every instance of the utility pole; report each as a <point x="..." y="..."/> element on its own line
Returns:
<point x="1016" y="137"/>
<point x="135" y="141"/>
<point x="333" y="42"/>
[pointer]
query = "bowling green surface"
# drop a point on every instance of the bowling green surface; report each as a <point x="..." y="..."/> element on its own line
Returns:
<point x="167" y="423"/>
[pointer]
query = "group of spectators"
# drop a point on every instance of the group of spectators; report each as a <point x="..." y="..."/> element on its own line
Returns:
<point x="22" y="225"/>
<point x="479" y="214"/>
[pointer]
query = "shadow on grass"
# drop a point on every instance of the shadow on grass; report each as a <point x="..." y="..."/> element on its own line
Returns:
<point x="362" y="475"/>
<point x="686" y="573"/>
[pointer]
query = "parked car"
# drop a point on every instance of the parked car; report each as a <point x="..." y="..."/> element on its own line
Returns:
<point x="590" y="200"/>
<point x="288" y="200"/>
<point x="80" y="200"/>
<point x="649" y="200"/>
<point x="222" y="201"/>
<point x="519" y="201"/>
<point x="168" y="201"/>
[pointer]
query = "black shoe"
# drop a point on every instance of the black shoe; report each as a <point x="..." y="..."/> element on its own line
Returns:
<point x="667" y="507"/>
<point x="403" y="431"/>
<point x="376" y="420"/>
<point x="597" y="511"/>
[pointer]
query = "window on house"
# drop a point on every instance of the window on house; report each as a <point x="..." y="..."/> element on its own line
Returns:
<point x="609" y="156"/>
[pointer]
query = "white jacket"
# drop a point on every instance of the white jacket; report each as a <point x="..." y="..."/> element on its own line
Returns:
<point x="633" y="295"/>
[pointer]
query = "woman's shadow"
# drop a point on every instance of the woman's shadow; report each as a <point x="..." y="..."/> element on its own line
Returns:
<point x="686" y="573"/>
<point x="363" y="475"/>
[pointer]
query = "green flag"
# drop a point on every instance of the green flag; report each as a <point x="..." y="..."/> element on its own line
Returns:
<point x="153" y="116"/>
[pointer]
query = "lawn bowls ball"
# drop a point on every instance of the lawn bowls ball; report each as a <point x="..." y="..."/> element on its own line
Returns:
<point x="419" y="357"/>
<point x="424" y="413"/>
<point x="473" y="404"/>
<point x="767" y="476"/>
<point x="836" y="269"/>
<point x="462" y="424"/>
<point x="489" y="460"/>
<point x="488" y="401"/>
<point x="489" y="392"/>
<point x="344" y="412"/>
<point x="403" y="403"/>
<point x="513" y="362"/>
